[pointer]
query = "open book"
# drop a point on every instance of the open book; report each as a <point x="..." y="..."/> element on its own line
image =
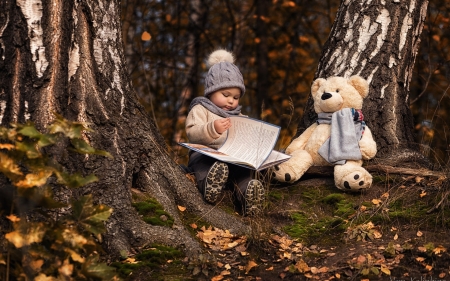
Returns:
<point x="249" y="143"/>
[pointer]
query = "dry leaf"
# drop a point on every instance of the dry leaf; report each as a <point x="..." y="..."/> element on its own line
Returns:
<point x="385" y="270"/>
<point x="338" y="276"/>
<point x="376" y="201"/>
<point x="442" y="275"/>
<point x="396" y="236"/>
<point x="422" y="249"/>
<point x="420" y="259"/>
<point x="66" y="269"/>
<point x="361" y="259"/>
<point x="393" y="228"/>
<point x="429" y="267"/>
<point x="419" y="233"/>
<point x="13" y="218"/>
<point x="146" y="36"/>
<point x="323" y="269"/>
<point x="250" y="265"/>
<point x="423" y="194"/>
<point x="287" y="255"/>
<point x="181" y="208"/>
<point x="225" y="272"/>
<point x="6" y="146"/>
<point x="227" y="266"/>
<point x="217" y="278"/>
<point x="377" y="234"/>
<point x="270" y="268"/>
<point x="302" y="267"/>
<point x="439" y="249"/>
<point x="418" y="179"/>
<point x="385" y="195"/>
<point x="194" y="226"/>
<point x="362" y="208"/>
<point x="314" y="270"/>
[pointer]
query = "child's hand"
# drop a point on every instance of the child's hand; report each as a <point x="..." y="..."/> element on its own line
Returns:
<point x="221" y="125"/>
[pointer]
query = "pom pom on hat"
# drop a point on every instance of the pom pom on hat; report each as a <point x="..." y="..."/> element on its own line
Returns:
<point x="220" y="56"/>
<point x="222" y="73"/>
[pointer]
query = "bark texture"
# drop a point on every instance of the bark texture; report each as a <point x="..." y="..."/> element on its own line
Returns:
<point x="66" y="56"/>
<point x="377" y="40"/>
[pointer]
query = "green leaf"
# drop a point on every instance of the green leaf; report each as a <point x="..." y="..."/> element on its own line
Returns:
<point x="46" y="139"/>
<point x="90" y="216"/>
<point x="74" y="180"/>
<point x="30" y="131"/>
<point x="83" y="147"/>
<point x="29" y="148"/>
<point x="375" y="270"/>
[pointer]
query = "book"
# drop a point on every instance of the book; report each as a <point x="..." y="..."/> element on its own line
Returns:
<point x="250" y="143"/>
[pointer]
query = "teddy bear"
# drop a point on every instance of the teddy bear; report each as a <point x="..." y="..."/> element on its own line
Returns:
<point x="339" y="137"/>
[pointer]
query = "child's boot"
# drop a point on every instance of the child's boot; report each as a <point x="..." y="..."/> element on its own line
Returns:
<point x="254" y="198"/>
<point x="215" y="181"/>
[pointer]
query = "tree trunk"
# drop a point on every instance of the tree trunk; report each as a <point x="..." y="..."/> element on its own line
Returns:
<point x="67" y="57"/>
<point x="379" y="41"/>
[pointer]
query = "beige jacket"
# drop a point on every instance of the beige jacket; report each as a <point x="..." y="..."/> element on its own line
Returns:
<point x="200" y="127"/>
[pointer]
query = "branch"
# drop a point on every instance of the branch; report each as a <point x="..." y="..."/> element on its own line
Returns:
<point x="328" y="171"/>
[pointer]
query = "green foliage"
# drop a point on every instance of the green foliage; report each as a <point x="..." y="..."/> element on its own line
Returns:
<point x="153" y="213"/>
<point x="50" y="248"/>
<point x="153" y="259"/>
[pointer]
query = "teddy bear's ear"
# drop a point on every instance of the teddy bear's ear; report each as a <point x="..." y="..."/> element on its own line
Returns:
<point x="360" y="84"/>
<point x="316" y="85"/>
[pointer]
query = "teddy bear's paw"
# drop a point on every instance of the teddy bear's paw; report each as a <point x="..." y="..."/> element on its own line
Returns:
<point x="293" y="169"/>
<point x="358" y="180"/>
<point x="280" y="174"/>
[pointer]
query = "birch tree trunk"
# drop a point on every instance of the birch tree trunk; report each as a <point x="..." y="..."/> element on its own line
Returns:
<point x="378" y="40"/>
<point x="67" y="57"/>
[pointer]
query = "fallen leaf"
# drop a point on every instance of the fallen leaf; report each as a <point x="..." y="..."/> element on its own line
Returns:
<point x="244" y="254"/>
<point x="13" y="218"/>
<point x="302" y="267"/>
<point x="420" y="259"/>
<point x="287" y="255"/>
<point x="323" y="269"/>
<point x="393" y="228"/>
<point x="282" y="275"/>
<point x="314" y="270"/>
<point x="439" y="250"/>
<point x="418" y="179"/>
<point x="250" y="265"/>
<point x="219" y="264"/>
<point x="338" y="276"/>
<point x="228" y="266"/>
<point x="362" y="208"/>
<point x="270" y="268"/>
<point x="6" y="146"/>
<point x="377" y="234"/>
<point x="385" y="270"/>
<point x="361" y="259"/>
<point x="385" y="195"/>
<point x="428" y="267"/>
<point x="225" y="272"/>
<point x="217" y="278"/>
<point x="422" y="249"/>
<point x="442" y="275"/>
<point x="194" y="226"/>
<point x="181" y="208"/>
<point x="423" y="194"/>
<point x="376" y="201"/>
<point x="396" y="236"/>
<point x="419" y="233"/>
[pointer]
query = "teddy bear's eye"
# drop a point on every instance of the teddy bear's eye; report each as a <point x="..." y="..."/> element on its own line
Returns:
<point x="337" y="90"/>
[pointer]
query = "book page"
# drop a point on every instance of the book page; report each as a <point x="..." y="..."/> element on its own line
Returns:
<point x="211" y="152"/>
<point x="250" y="140"/>
<point x="274" y="158"/>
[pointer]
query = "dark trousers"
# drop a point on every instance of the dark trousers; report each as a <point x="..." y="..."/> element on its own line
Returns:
<point x="238" y="177"/>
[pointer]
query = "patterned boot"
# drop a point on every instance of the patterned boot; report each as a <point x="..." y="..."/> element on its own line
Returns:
<point x="254" y="198"/>
<point x="215" y="181"/>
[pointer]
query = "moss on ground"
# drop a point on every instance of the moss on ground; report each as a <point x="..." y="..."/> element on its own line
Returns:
<point x="154" y="261"/>
<point x="153" y="213"/>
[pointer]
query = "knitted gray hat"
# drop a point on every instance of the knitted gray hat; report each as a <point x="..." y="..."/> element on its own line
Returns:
<point x="222" y="73"/>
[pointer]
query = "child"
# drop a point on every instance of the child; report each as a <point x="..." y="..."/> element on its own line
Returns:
<point x="207" y="123"/>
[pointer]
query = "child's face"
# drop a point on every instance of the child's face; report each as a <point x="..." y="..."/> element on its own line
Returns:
<point x="227" y="98"/>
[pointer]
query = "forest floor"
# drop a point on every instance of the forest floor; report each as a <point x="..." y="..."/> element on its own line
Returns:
<point x="399" y="229"/>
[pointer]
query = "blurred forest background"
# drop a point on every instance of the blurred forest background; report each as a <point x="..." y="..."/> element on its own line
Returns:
<point x="277" y="45"/>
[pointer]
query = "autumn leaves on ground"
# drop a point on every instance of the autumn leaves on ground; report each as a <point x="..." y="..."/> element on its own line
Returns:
<point x="397" y="230"/>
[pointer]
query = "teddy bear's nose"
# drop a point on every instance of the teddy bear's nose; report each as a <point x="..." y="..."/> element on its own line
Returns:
<point x="326" y="96"/>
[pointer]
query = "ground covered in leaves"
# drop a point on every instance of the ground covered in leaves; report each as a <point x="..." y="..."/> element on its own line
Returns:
<point x="397" y="230"/>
